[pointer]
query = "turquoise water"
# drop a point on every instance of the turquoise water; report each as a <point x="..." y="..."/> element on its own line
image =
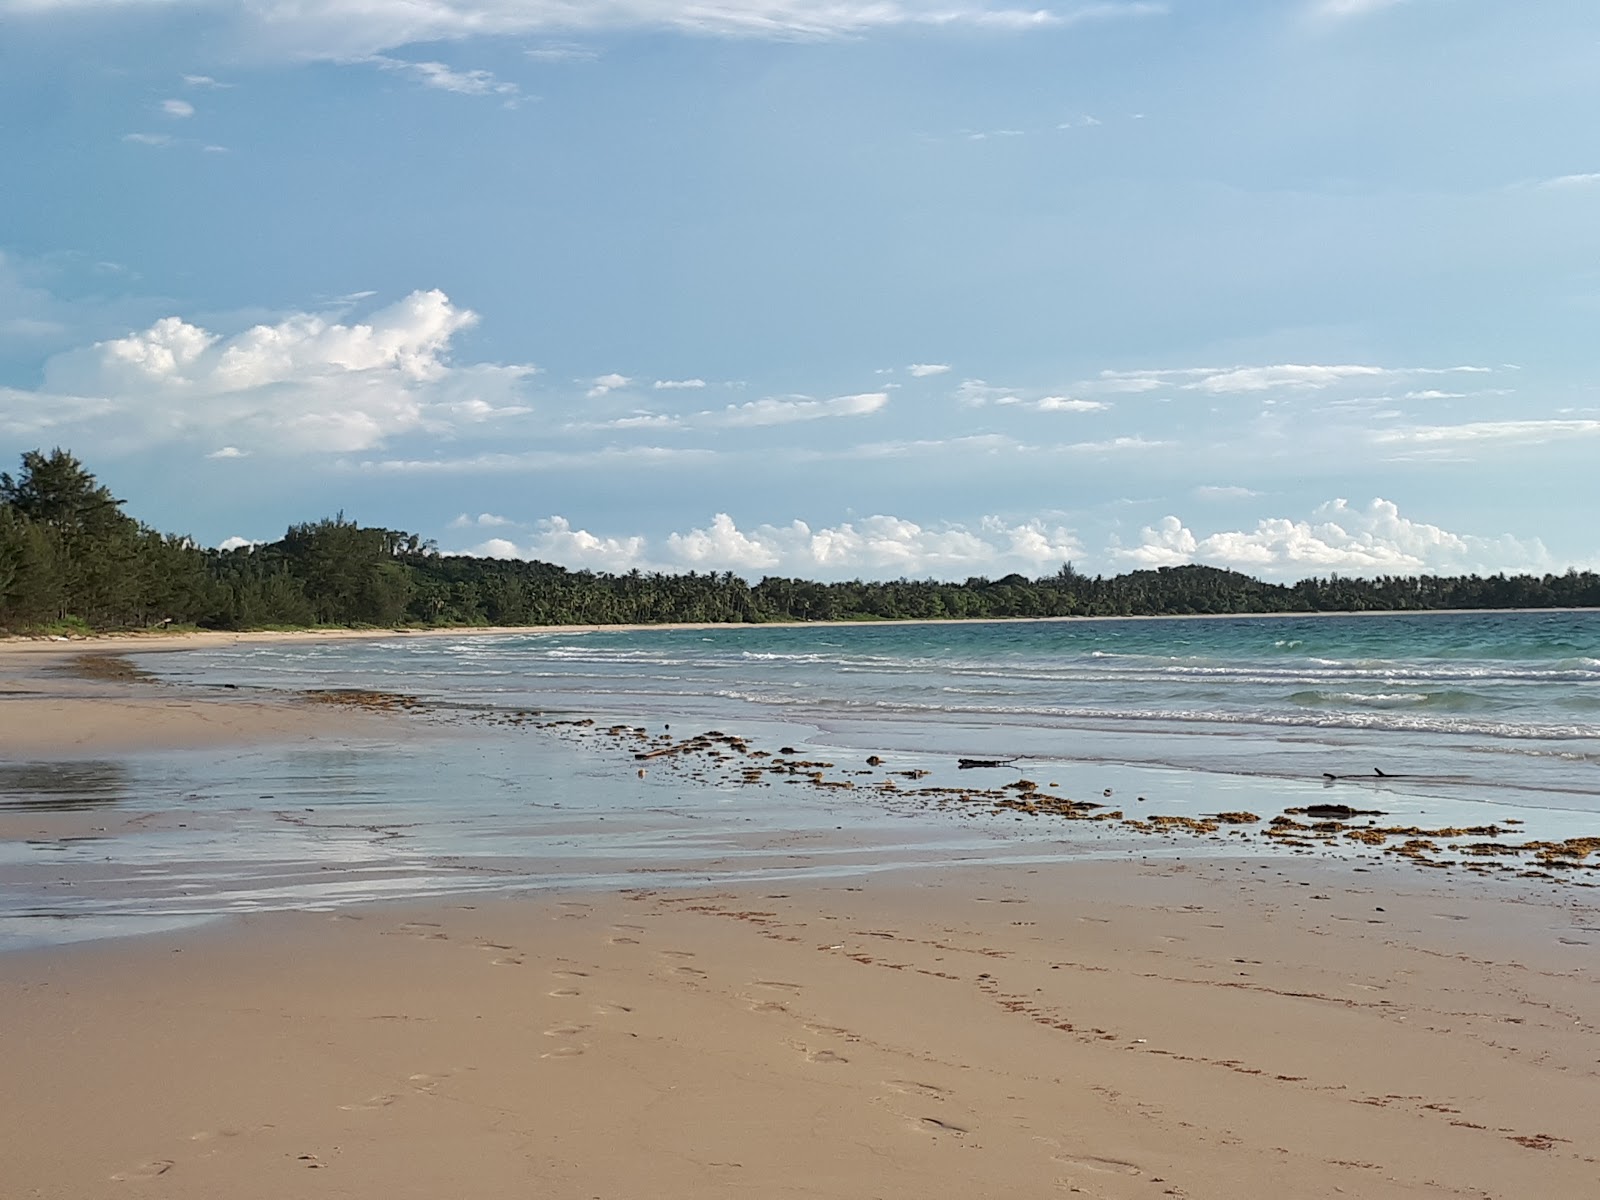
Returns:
<point x="1473" y="718"/>
<point x="1501" y="700"/>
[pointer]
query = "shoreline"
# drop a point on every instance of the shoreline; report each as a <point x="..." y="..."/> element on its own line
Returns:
<point x="1179" y="1024"/>
<point x="156" y="641"/>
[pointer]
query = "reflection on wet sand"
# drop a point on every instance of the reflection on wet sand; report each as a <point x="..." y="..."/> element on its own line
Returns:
<point x="61" y="787"/>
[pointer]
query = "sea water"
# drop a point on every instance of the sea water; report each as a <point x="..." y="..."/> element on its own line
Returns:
<point x="1470" y="717"/>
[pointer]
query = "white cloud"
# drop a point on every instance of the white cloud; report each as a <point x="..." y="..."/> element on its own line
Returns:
<point x="1374" y="540"/>
<point x="1341" y="9"/>
<point x="1590" y="179"/>
<point x="148" y="139"/>
<point x="1224" y="492"/>
<point x="774" y="411"/>
<point x="1240" y="380"/>
<point x="675" y="384"/>
<point x="562" y="52"/>
<point x="1083" y="122"/>
<point x="306" y="382"/>
<point x="557" y="541"/>
<point x="605" y="458"/>
<point x="638" y="420"/>
<point x="1486" y="432"/>
<point x="975" y="393"/>
<point x="229" y="452"/>
<point x="877" y="546"/>
<point x="177" y="108"/>
<point x="346" y="29"/>
<point x="204" y="81"/>
<point x="923" y="370"/>
<point x="481" y="521"/>
<point x="604" y="384"/>
<point x="1259" y="379"/>
<point x="1067" y="404"/>
<point x="447" y="79"/>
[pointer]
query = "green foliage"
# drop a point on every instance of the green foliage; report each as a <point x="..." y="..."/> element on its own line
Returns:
<point x="71" y="560"/>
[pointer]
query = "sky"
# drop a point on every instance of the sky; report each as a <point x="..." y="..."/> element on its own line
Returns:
<point x="825" y="288"/>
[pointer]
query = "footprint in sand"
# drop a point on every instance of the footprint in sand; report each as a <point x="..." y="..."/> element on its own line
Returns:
<point x="565" y="992"/>
<point x="149" y="1170"/>
<point x="777" y="985"/>
<point x="676" y="953"/>
<point x="209" y="1135"/>
<point x="564" y="1052"/>
<point x="935" y="1125"/>
<point x="611" y="1010"/>
<point x="833" y="1031"/>
<point x="425" y="929"/>
<point x="570" y="973"/>
<point x="622" y="939"/>
<point x="506" y="961"/>
<point x="371" y="1104"/>
<point x="764" y="1006"/>
<point x="689" y="972"/>
<point x="818" y="1056"/>
<point x="911" y="1087"/>
<point x="565" y="1030"/>
<point x="572" y="910"/>
<point x="1103" y="1166"/>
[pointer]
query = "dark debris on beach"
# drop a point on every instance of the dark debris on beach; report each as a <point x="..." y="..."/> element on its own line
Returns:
<point x="718" y="758"/>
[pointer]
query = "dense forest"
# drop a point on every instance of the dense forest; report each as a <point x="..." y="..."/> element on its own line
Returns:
<point x="71" y="559"/>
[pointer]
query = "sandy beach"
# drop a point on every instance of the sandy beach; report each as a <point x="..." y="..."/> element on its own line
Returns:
<point x="1216" y="1027"/>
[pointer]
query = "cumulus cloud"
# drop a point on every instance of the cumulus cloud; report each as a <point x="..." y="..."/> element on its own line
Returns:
<point x="555" y="540"/>
<point x="177" y="108"/>
<point x="481" y="521"/>
<point x="877" y="545"/>
<point x="776" y="411"/>
<point x="229" y="452"/>
<point x="604" y="384"/>
<point x="1339" y="537"/>
<point x="923" y="370"/>
<point x="677" y="384"/>
<point x="881" y="546"/>
<point x="306" y="382"/>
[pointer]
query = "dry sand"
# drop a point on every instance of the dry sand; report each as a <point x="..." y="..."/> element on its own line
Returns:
<point x="1218" y="1029"/>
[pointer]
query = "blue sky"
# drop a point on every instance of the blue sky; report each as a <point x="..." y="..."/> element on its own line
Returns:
<point x="843" y="288"/>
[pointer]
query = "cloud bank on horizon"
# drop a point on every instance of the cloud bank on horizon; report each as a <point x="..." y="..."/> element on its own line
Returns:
<point x="819" y="289"/>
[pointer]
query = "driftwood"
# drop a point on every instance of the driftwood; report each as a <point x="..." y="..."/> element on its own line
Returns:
<point x="966" y="764"/>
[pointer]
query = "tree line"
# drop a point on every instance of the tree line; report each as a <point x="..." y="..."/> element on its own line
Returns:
<point x="71" y="559"/>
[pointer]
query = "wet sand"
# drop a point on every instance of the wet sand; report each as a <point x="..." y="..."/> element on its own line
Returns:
<point x="1219" y="1028"/>
<point x="1114" y="1030"/>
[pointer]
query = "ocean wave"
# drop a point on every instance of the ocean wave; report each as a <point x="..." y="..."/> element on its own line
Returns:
<point x="1450" y="700"/>
<point x="1374" y="720"/>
